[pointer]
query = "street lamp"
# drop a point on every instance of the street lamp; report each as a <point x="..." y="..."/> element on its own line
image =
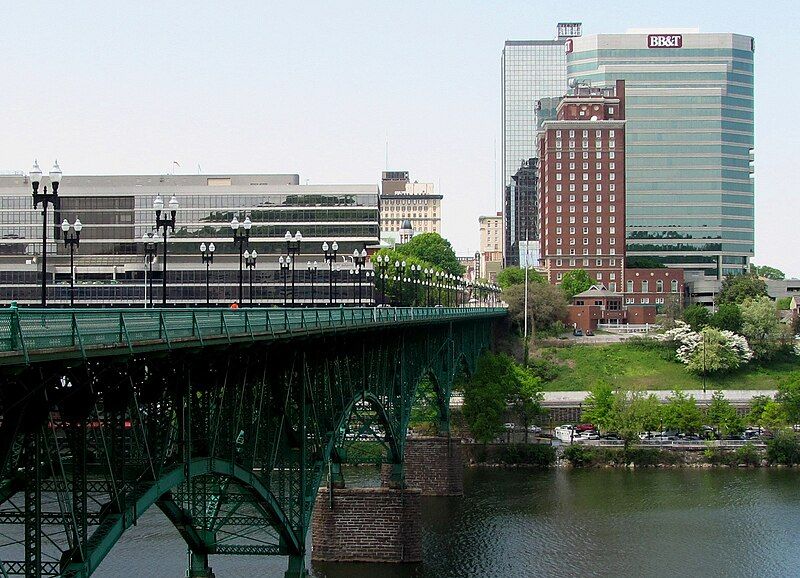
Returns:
<point x="207" y="255"/>
<point x="45" y="198"/>
<point x="149" y="239"/>
<point x="359" y="260"/>
<point x="250" y="261"/>
<point x="428" y="279"/>
<point x="284" y="263"/>
<point x="399" y="270"/>
<point x="166" y="223"/>
<point x="382" y="263"/>
<point x="312" y="270"/>
<point x="293" y="250"/>
<point x="415" y="272"/>
<point x="330" y="258"/>
<point x="72" y="240"/>
<point x="241" y="237"/>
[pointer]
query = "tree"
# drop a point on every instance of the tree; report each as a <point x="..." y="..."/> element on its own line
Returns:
<point x="728" y="316"/>
<point x="757" y="405"/>
<point x="682" y="414"/>
<point x="635" y="412"/>
<point x="485" y="397"/>
<point x="737" y="288"/>
<point x="761" y="327"/>
<point x="714" y="352"/>
<point x="672" y="309"/>
<point x="696" y="316"/>
<point x="598" y="409"/>
<point x="516" y="276"/>
<point x="546" y="305"/>
<point x="434" y="249"/>
<point x="767" y="272"/>
<point x="773" y="417"/>
<point x="526" y="395"/>
<point x="575" y="281"/>
<point x="783" y="303"/>
<point x="722" y="415"/>
<point x="789" y="397"/>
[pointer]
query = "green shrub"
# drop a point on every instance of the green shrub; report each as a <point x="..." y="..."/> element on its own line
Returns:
<point x="579" y="455"/>
<point x="543" y="368"/>
<point x="644" y="456"/>
<point x="784" y="449"/>
<point x="748" y="454"/>
<point x="540" y="455"/>
<point x="719" y="457"/>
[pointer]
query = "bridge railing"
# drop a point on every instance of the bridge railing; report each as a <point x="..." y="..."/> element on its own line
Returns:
<point x="36" y="329"/>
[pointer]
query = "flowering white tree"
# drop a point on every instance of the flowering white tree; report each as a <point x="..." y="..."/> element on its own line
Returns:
<point x="709" y="350"/>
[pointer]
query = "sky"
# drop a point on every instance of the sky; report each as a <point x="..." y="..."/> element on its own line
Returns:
<point x="317" y="88"/>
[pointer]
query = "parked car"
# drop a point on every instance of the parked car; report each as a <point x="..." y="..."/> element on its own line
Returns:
<point x="589" y="333"/>
<point x="585" y="427"/>
<point x="588" y="435"/>
<point x="534" y="429"/>
<point x="577" y="332"/>
<point x="565" y="432"/>
<point x="510" y="426"/>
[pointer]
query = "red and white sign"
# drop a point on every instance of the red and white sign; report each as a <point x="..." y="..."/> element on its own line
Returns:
<point x="664" y="41"/>
<point x="568" y="45"/>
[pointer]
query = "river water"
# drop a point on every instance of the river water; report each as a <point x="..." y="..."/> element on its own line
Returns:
<point x="604" y="522"/>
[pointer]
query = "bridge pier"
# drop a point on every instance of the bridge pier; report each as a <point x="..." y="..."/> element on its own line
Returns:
<point x="433" y="464"/>
<point x="198" y="566"/>
<point x="367" y="525"/>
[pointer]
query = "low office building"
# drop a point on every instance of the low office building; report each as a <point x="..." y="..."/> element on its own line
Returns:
<point x="403" y="200"/>
<point x="654" y="287"/>
<point x="116" y="211"/>
<point x="598" y="305"/>
<point x="491" y="246"/>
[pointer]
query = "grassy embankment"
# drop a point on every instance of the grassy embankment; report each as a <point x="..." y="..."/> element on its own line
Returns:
<point x="579" y="367"/>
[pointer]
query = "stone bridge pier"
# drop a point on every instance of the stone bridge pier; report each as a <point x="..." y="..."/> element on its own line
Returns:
<point x="383" y="524"/>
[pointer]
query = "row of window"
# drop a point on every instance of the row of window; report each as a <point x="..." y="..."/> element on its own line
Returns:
<point x="597" y="166"/>
<point x="585" y="144"/>
<point x="598" y="241"/>
<point x="599" y="251"/>
<point x="585" y="230"/>
<point x="597" y="133"/>
<point x="597" y="198"/>
<point x="598" y="219"/>
<point x="597" y="176"/>
<point x="598" y="208"/>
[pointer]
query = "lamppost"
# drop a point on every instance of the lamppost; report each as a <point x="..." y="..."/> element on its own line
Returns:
<point x="149" y="240"/>
<point x="369" y="279"/>
<point x="207" y="255"/>
<point x="399" y="270"/>
<point x="250" y="261"/>
<point x="72" y="240"/>
<point x="45" y="198"/>
<point x="293" y="249"/>
<point x="241" y="237"/>
<point x="415" y="271"/>
<point x="439" y="283"/>
<point x="359" y="260"/>
<point x="428" y="278"/>
<point x="382" y="262"/>
<point x="166" y="223"/>
<point x="330" y="259"/>
<point x="312" y="270"/>
<point x="285" y="263"/>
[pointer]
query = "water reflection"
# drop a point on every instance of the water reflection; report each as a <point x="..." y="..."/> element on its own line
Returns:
<point x="558" y="523"/>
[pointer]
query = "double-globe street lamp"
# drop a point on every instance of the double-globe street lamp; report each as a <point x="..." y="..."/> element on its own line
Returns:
<point x="72" y="238"/>
<point x="399" y="270"/>
<point x="312" y="271"/>
<point x="207" y="255"/>
<point x="45" y="198"/>
<point x="359" y="260"/>
<point x="382" y="264"/>
<point x="293" y="250"/>
<point x="241" y="237"/>
<point x="250" y="262"/>
<point x="284" y="264"/>
<point x="149" y="239"/>
<point x="167" y="224"/>
<point x="330" y="251"/>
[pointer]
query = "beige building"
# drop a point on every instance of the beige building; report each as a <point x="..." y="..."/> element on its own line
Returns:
<point x="415" y="202"/>
<point x="491" y="245"/>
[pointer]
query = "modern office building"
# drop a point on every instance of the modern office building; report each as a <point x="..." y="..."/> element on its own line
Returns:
<point x="520" y="213"/>
<point x="582" y="186"/>
<point x="116" y="211"/>
<point x="403" y="200"/>
<point x="531" y="70"/>
<point x="689" y="110"/>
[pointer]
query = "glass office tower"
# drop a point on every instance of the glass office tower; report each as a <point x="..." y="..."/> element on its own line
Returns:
<point x="531" y="70"/>
<point x="689" y="107"/>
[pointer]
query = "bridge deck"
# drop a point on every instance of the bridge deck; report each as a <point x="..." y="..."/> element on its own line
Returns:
<point x="30" y="335"/>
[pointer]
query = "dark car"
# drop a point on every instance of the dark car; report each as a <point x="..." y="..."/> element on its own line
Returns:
<point x="589" y="333"/>
<point x="577" y="333"/>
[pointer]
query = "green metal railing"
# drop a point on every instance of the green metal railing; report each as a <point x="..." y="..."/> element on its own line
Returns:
<point x="33" y="333"/>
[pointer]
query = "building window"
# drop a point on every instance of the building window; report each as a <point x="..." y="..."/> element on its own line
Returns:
<point x="598" y="262"/>
<point x="629" y="286"/>
<point x="645" y="300"/>
<point x="674" y="285"/>
<point x="659" y="286"/>
<point x="645" y="286"/>
<point x="558" y="262"/>
<point x="559" y="276"/>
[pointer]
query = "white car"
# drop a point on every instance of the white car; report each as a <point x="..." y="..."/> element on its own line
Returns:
<point x="534" y="429"/>
<point x="565" y="432"/>
<point x="510" y="426"/>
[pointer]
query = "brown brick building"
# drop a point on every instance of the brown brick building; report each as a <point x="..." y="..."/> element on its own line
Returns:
<point x="581" y="185"/>
<point x="653" y="286"/>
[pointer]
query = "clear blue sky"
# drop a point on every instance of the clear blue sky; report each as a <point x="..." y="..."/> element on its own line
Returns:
<point x="314" y="88"/>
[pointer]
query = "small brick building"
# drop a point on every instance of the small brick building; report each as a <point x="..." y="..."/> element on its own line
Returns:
<point x="599" y="305"/>
<point x="653" y="286"/>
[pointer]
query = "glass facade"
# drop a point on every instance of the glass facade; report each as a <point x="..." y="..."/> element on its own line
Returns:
<point x="117" y="211"/>
<point x="690" y="192"/>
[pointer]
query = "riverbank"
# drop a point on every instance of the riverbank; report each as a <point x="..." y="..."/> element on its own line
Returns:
<point x="780" y="454"/>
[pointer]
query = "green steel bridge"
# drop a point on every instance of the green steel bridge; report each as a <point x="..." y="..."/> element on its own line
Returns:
<point x="225" y="420"/>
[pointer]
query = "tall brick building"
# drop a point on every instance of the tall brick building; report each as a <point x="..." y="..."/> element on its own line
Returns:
<point x="581" y="186"/>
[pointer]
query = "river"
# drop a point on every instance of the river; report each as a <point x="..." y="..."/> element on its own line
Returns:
<point x="521" y="523"/>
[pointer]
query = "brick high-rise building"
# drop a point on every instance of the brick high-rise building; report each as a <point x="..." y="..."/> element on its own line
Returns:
<point x="582" y="186"/>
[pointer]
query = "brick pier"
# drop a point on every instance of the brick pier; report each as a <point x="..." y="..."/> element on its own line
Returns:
<point x="367" y="525"/>
<point x="434" y="465"/>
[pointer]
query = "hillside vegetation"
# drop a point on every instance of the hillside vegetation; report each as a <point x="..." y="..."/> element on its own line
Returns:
<point x="579" y="367"/>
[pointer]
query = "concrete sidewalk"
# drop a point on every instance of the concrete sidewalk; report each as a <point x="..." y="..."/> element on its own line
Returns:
<point x="737" y="397"/>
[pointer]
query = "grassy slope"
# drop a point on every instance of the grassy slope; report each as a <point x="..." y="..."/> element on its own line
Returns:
<point x="626" y="366"/>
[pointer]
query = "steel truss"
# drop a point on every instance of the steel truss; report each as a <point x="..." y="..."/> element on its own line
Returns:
<point x="230" y="442"/>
